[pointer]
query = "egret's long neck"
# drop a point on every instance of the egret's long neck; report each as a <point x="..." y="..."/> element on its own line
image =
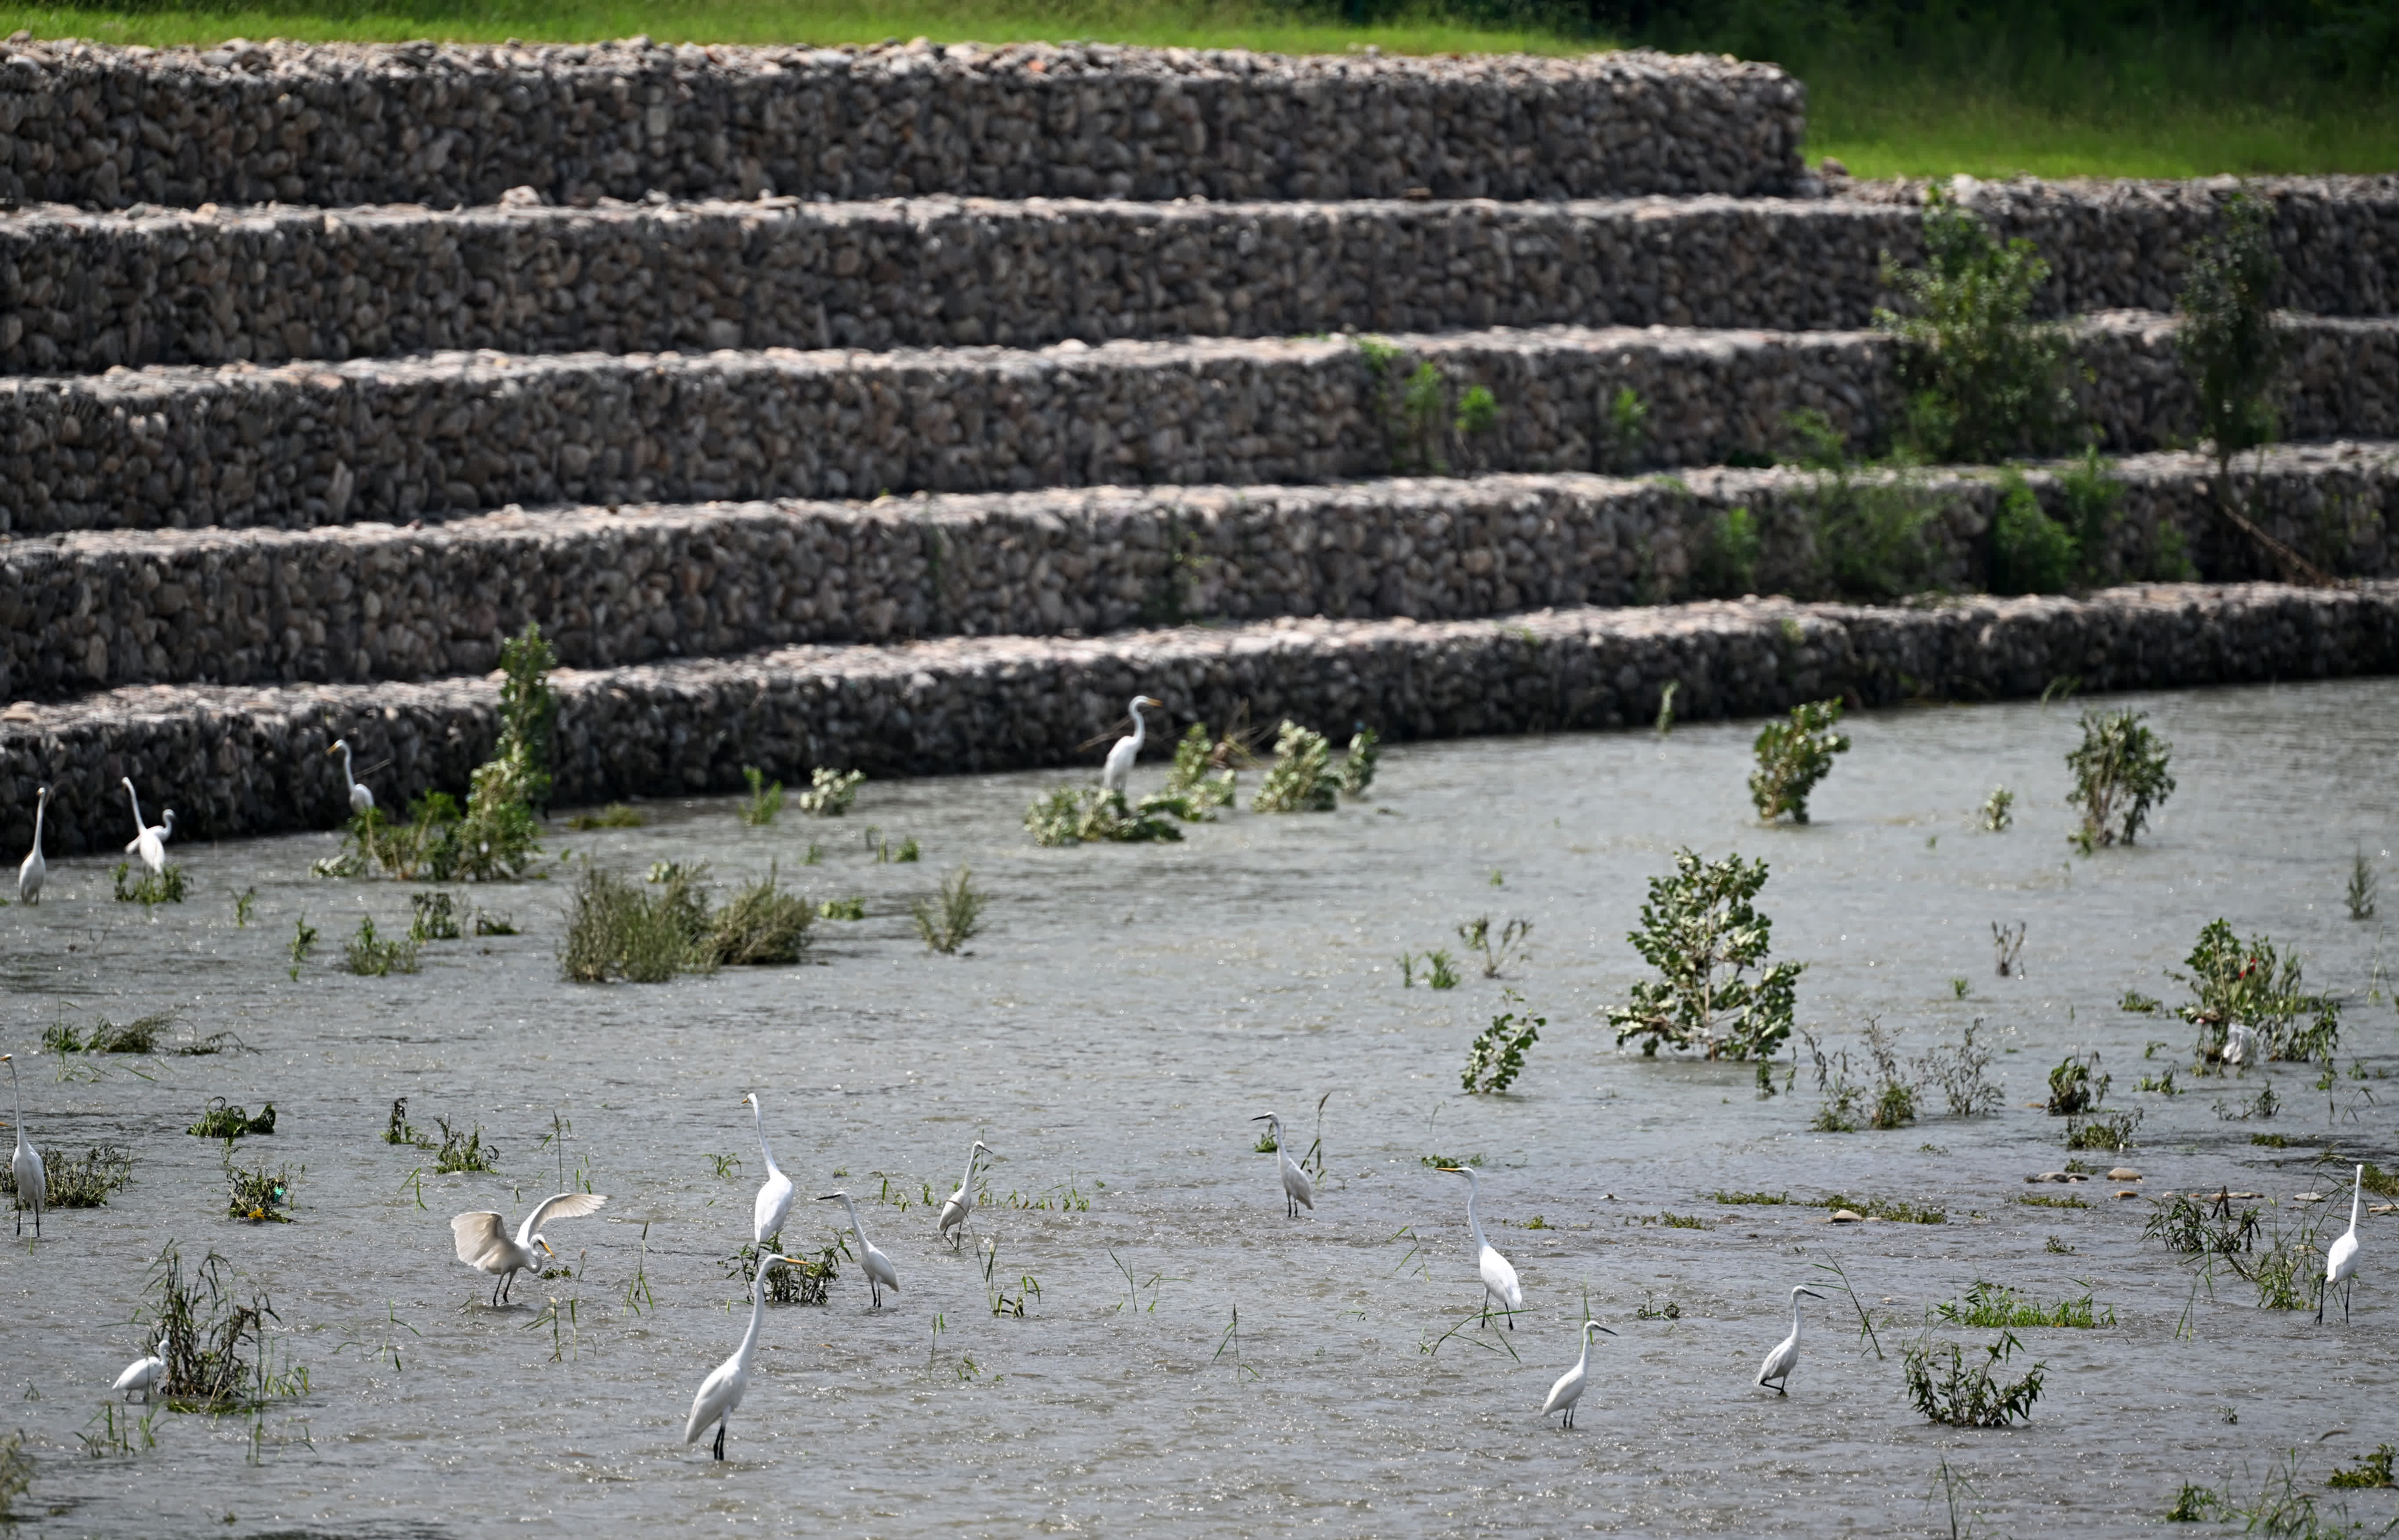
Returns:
<point x="853" y="1221"/>
<point x="17" y="1095"/>
<point x="757" y="1313"/>
<point x="760" y="1113"/>
<point x="346" y="774"/>
<point x="41" y="805"/>
<point x="966" y="1184"/>
<point x="1794" y="1320"/>
<point x="139" y="826"/>
<point x="1582" y="1364"/>
<point x="1140" y="730"/>
<point x="1473" y="1226"/>
<point x="2356" y="1193"/>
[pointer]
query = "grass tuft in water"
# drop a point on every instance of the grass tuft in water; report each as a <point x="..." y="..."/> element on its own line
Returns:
<point x="2072" y="1089"/>
<point x="218" y="1352"/>
<point x="1898" y="1210"/>
<point x="808" y="1283"/>
<point x="258" y="1195"/>
<point x="615" y="815"/>
<point x="1440" y="970"/>
<point x="762" y="927"/>
<point x="151" y="888"/>
<point x="947" y="922"/>
<point x="373" y="957"/>
<point x="1723" y="1197"/>
<point x="433" y="917"/>
<point x="851" y="908"/>
<point x="766" y="798"/>
<point x="1989" y="1304"/>
<point x="1960" y="1396"/>
<point x="616" y="929"/>
<point x="219" y="1120"/>
<point x="2363" y="889"/>
<point x="461" y="1151"/>
<point x="78" y="1181"/>
<point x="2111" y="1132"/>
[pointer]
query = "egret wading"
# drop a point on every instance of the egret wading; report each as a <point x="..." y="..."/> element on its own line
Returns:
<point x="773" y="1204"/>
<point x="149" y="840"/>
<point x="2340" y="1261"/>
<point x="25" y="1164"/>
<point x="1567" y="1394"/>
<point x="958" y="1204"/>
<point x="485" y="1244"/>
<point x="35" y="871"/>
<point x="1498" y="1278"/>
<point x="1297" y="1191"/>
<point x="1127" y="749"/>
<point x="143" y="1373"/>
<point x="720" y="1394"/>
<point x="361" y="800"/>
<point x="1785" y="1357"/>
<point x="880" y="1274"/>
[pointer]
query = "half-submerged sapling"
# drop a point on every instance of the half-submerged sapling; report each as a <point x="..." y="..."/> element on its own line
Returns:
<point x="1793" y="756"/>
<point x="1716" y="993"/>
<point x="2120" y="774"/>
<point x="1496" y="1056"/>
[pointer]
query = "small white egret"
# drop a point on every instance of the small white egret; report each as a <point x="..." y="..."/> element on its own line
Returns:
<point x="483" y="1242"/>
<point x="143" y="1373"/>
<point x="361" y="800"/>
<point x="958" y="1204"/>
<point x="35" y="871"/>
<point x="1567" y="1394"/>
<point x="1785" y="1357"/>
<point x="720" y="1394"/>
<point x="773" y="1204"/>
<point x="1120" y="758"/>
<point x="1498" y="1278"/>
<point x="1297" y="1191"/>
<point x="25" y="1164"/>
<point x="149" y="839"/>
<point x="880" y="1274"/>
<point x="2340" y="1262"/>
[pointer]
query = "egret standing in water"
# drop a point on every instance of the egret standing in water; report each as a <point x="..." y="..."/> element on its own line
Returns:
<point x="880" y="1274"/>
<point x="361" y="800"/>
<point x="958" y="1204"/>
<point x="1297" y="1191"/>
<point x="1785" y="1357"/>
<point x="2340" y="1262"/>
<point x="1120" y="758"/>
<point x="1498" y="1278"/>
<point x="25" y="1164"/>
<point x="773" y="1204"/>
<point x="35" y="871"/>
<point x="1567" y="1394"/>
<point x="720" y="1394"/>
<point x="143" y="1373"/>
<point x="483" y="1242"/>
<point x="149" y="839"/>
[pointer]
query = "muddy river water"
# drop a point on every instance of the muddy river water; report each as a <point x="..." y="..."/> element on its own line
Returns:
<point x="1194" y="1362"/>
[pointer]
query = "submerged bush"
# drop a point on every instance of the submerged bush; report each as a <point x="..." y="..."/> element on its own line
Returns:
<point x="2230" y="345"/>
<point x="830" y="793"/>
<point x="370" y="957"/>
<point x="218" y="1352"/>
<point x="1701" y="932"/>
<point x="617" y="929"/>
<point x="1203" y="770"/>
<point x="2249" y="1002"/>
<point x="77" y="1182"/>
<point x="1496" y="1056"/>
<point x="1793" y="755"/>
<point x="1954" y="1394"/>
<point x="435" y="917"/>
<point x="1298" y="781"/>
<point x="163" y="886"/>
<point x="2072" y="1090"/>
<point x="762" y="925"/>
<point x="766" y="800"/>
<point x="946" y="924"/>
<point x="219" y="1120"/>
<point x="2120" y="774"/>
<point x="1081" y="815"/>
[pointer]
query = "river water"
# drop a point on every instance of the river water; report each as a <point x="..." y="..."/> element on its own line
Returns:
<point x="1194" y="1362"/>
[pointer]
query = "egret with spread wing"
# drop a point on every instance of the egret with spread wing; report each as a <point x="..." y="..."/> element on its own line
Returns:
<point x="720" y="1394"/>
<point x="880" y="1274"/>
<point x="958" y="1204"/>
<point x="1127" y="749"/>
<point x="773" y="1204"/>
<point x="484" y="1243"/>
<point x="1498" y="1277"/>
<point x="1785" y="1357"/>
<point x="1297" y="1191"/>
<point x="149" y="839"/>
<point x="1567" y="1394"/>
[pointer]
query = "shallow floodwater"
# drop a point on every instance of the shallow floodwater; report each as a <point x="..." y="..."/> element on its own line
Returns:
<point x="1125" y="1014"/>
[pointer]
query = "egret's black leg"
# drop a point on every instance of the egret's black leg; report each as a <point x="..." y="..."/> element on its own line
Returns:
<point x="2344" y="1300"/>
<point x="2320" y="1302"/>
<point x="720" y="1436"/>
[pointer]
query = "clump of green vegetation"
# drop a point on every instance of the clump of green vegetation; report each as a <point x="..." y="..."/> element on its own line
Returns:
<point x="2262" y="1106"/>
<point x="1725" y="565"/>
<point x="1958" y="1396"/>
<point x="1358" y="764"/>
<point x="217" y="1354"/>
<point x="151" y="888"/>
<point x="2192" y="1504"/>
<point x="244" y="902"/>
<point x="2286" y="1266"/>
<point x="806" y="1284"/>
<point x="766" y="800"/>
<point x="219" y="1120"/>
<point x="2271" y="1141"/>
<point x="2044" y="1200"/>
<point x="303" y="940"/>
<point x="2071" y="1088"/>
<point x="851" y="908"/>
<point x="2231" y="347"/>
<point x="2111" y="1132"/>
<point x="1093" y="814"/>
<point x="2204" y="1227"/>
<point x="368" y="957"/>
<point x="1723" y="1196"/>
<point x="460" y="1152"/>
<point x="831" y="793"/>
<point x="1716" y="992"/>
<point x="139" y="1035"/>
<point x="2361" y="895"/>
<point x="885" y="853"/>
<point x="1496" y="1056"/>
<point x="947" y="924"/>
<point x="16" y="1474"/>
<point x="1896" y="1210"/>
<point x="2374" y="1471"/>
<point x="2030" y="551"/>
<point x="1623" y="428"/>
<point x="435" y="917"/>
<point x="2137" y="1004"/>
<point x="399" y="1130"/>
<point x="1793" y="756"/>
<point x="1202" y="771"/>
<point x="1441" y="970"/>
<point x="615" y="815"/>
<point x="2120" y="774"/>
<point x="1998" y="812"/>
<point x="1497" y="950"/>
<point x="258" y="1195"/>
<point x="619" y="930"/>
<point x="1894" y="1098"/>
<point x="2249" y="1002"/>
<point x="1985" y="379"/>
<point x="1838" y="1112"/>
<point x="762" y="927"/>
<point x="1298" y="781"/>
<point x="488" y="924"/>
<point x="1963" y="1075"/>
<point x="79" y="1182"/>
<point x="1867" y="535"/>
<point x="1990" y="1304"/>
<point x="1415" y="411"/>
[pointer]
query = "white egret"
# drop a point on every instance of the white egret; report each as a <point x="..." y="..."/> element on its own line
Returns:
<point x="35" y="871"/>
<point x="2340" y="1262"/>
<point x="720" y="1394"/>
<point x="773" y="1204"/>
<point x="361" y="800"/>
<point x="149" y="839"/>
<point x="958" y="1204"/>
<point x="1785" y="1357"/>
<point x="1498" y="1278"/>
<point x="1297" y="1191"/>
<point x="25" y="1164"/>
<point x="144" y="1374"/>
<point x="1567" y="1394"/>
<point x="484" y="1245"/>
<point x="880" y="1274"/>
<point x="1120" y="758"/>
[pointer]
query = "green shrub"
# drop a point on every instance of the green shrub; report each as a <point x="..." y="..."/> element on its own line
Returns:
<point x="163" y="886"/>
<point x="221" y="1121"/>
<point x="1356" y="771"/>
<point x="947" y="924"/>
<point x="2230" y="345"/>
<point x="1623" y="429"/>
<point x="78" y="1181"/>
<point x="618" y="930"/>
<point x="765" y="801"/>
<point x="2094" y="499"/>
<point x="368" y="956"/>
<point x="1703" y="935"/>
<point x="2030" y="551"/>
<point x="1960" y="1397"/>
<point x="2071" y="1088"/>
<point x="1496" y="1056"/>
<point x="1725" y="566"/>
<point x="2120" y="774"/>
<point x="1079" y="815"/>
<point x="830" y="793"/>
<point x="1793" y="755"/>
<point x="435" y="918"/>
<point x="762" y="925"/>
<point x="2254" y="986"/>
<point x="615" y="815"/>
<point x="1201" y="770"/>
<point x="1298" y="781"/>
<point x="1983" y="379"/>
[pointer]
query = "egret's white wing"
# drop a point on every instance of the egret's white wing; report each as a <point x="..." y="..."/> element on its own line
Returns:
<point x="953" y="1210"/>
<point x="1295" y="1183"/>
<point x="1500" y="1278"/>
<point x="1780" y="1362"/>
<point x="482" y="1238"/>
<point x="559" y="1206"/>
<point x="1119" y="764"/>
<point x="1567" y="1391"/>
<point x="773" y="1207"/>
<point x="32" y="1185"/>
<point x="718" y="1394"/>
<point x="880" y="1266"/>
<point x="2342" y="1259"/>
<point x="140" y="1373"/>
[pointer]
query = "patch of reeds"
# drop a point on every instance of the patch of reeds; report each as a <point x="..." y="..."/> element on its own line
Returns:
<point x="2047" y="1200"/>
<point x="762" y="925"/>
<point x="371" y="956"/>
<point x="151" y="888"/>
<point x="650" y="933"/>
<point x="219" y="1120"/>
<point x="86" y="1180"/>
<point x="851" y="908"/>
<point x="2111" y="1132"/>
<point x="258" y="1195"/>
<point x="1897" y="1209"/>
<point x="808" y="1283"/>
<point x="434" y="917"/>
<point x="1989" y="1304"/>
<point x="217" y="1354"/>
<point x="766" y="798"/>
<point x="947" y="922"/>
<point x="139" y="1035"/>
<point x="1960" y="1395"/>
<point x="1440" y="969"/>
<point x="1723" y="1196"/>
<point x="615" y="815"/>
<point x="459" y="1151"/>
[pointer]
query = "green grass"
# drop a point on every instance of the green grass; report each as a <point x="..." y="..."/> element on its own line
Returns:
<point x="1984" y="97"/>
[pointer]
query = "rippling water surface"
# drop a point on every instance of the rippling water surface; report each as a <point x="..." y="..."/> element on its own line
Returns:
<point x="1194" y="1362"/>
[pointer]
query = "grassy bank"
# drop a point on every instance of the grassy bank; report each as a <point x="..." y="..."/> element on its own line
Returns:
<point x="1996" y="96"/>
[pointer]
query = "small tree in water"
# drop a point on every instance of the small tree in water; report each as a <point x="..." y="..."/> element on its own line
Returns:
<point x="1703" y="935"/>
<point x="2250" y="987"/>
<point x="2120" y="774"/>
<point x="1792" y="755"/>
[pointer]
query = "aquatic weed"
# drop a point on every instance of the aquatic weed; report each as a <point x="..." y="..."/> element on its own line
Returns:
<point x="1723" y="1197"/>
<point x="151" y="888"/>
<point x="2120" y="774"/>
<point x="84" y="1181"/>
<point x="258" y="1195"/>
<point x="1963" y="1075"/>
<point x="2248" y="993"/>
<point x="434" y="917"/>
<point x="2373" y="1471"/>
<point x="1497" y="951"/>
<point x="2007" y="947"/>
<point x="2111" y="1132"/>
<point x="763" y="926"/>
<point x="1987" y="1305"/>
<point x="303" y="940"/>
<point x="615" y="815"/>
<point x="851" y="908"/>
<point x="1998" y="812"/>
<point x="1960" y="1396"/>
<point x="218" y="1353"/>
<point x="2360" y="898"/>
<point x="616" y="930"/>
<point x="1299" y="781"/>
<point x="830" y="793"/>
<point x="368" y="956"/>
<point x="463" y="1152"/>
<point x="1703" y="933"/>
<point x="1897" y="1209"/>
<point x="1093" y="814"/>
<point x="1793" y="756"/>
<point x="2071" y="1088"/>
<point x="219" y="1120"/>
<point x="947" y="925"/>
<point x="765" y="799"/>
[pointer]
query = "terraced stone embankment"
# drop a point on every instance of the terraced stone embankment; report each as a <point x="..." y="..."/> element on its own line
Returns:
<point x="248" y="761"/>
<point x="84" y="291"/>
<point x="399" y="439"/>
<point x="333" y="125"/>
<point x="644" y="583"/>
